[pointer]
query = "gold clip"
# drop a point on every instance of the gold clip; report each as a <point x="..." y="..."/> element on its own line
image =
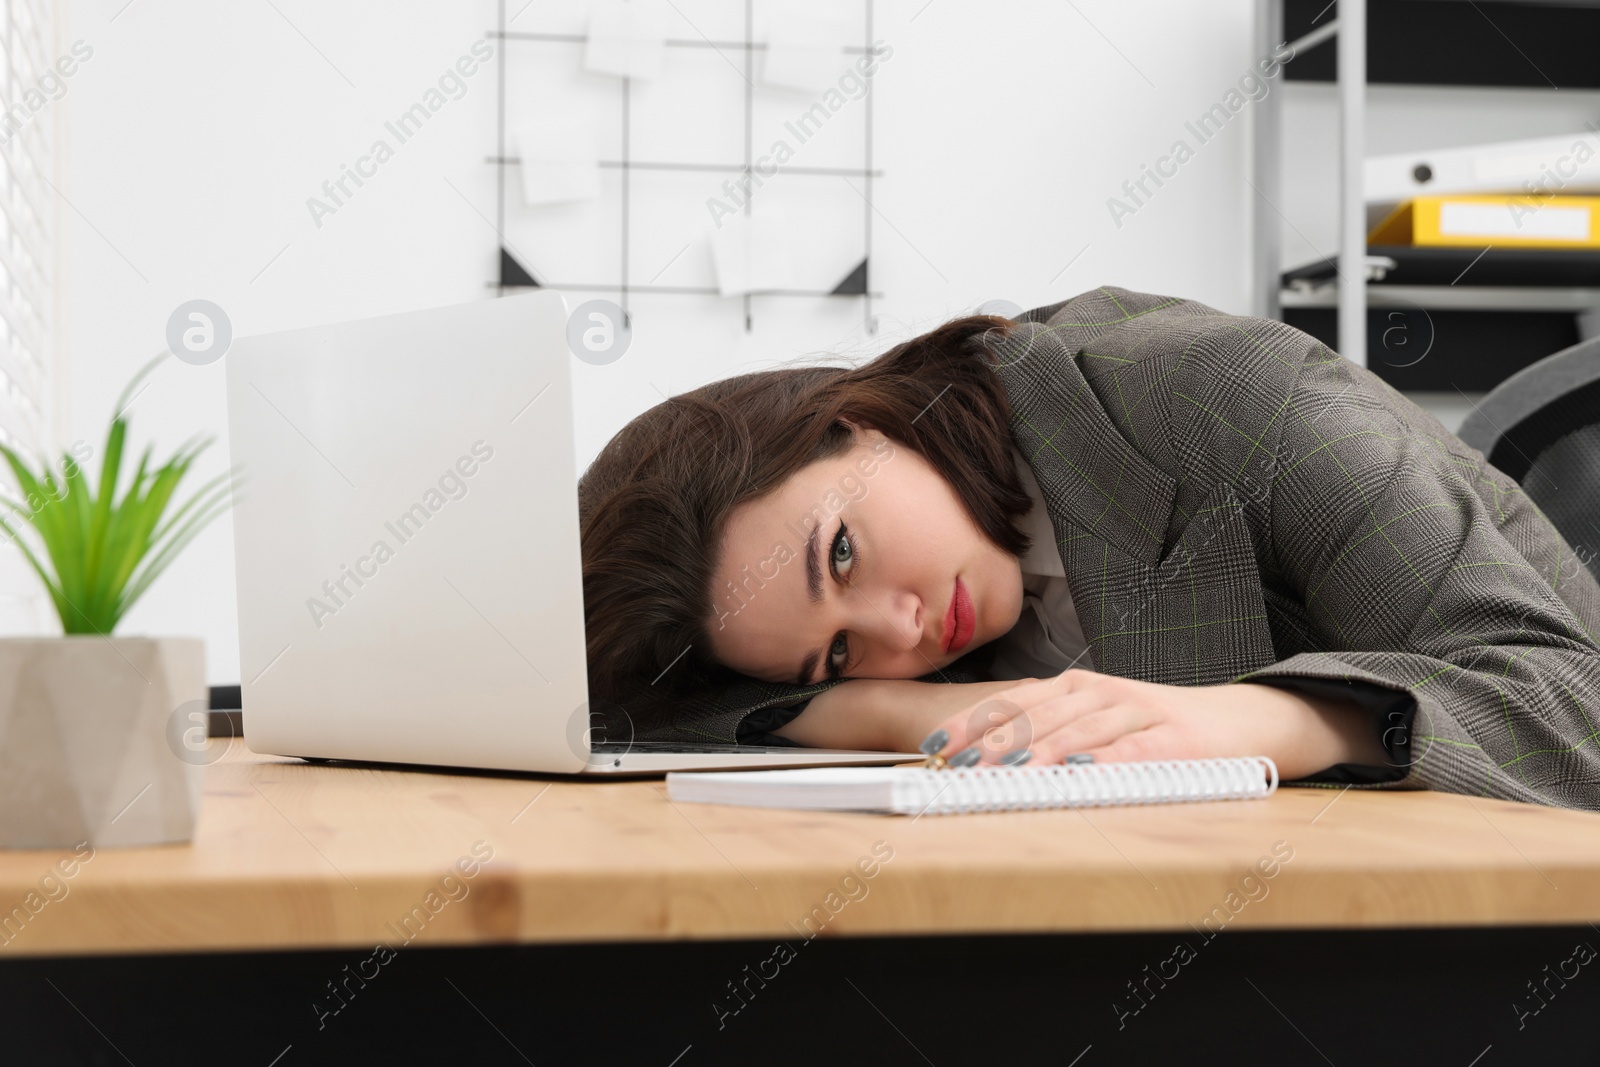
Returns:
<point x="935" y="762"/>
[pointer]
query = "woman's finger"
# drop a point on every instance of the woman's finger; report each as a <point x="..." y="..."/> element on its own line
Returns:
<point x="1073" y="680"/>
<point x="1092" y="732"/>
<point x="972" y="723"/>
<point x="1137" y="746"/>
<point x="1054" y="726"/>
<point x="1010" y="720"/>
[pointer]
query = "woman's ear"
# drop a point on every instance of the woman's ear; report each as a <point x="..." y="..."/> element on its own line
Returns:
<point x="865" y="432"/>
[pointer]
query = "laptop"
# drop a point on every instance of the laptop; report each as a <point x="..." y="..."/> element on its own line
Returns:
<point x="406" y="537"/>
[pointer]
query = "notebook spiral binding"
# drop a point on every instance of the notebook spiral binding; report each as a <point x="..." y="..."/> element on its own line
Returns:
<point x="1089" y="785"/>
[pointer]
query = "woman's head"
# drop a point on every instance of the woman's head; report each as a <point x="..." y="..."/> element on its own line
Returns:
<point x="897" y="477"/>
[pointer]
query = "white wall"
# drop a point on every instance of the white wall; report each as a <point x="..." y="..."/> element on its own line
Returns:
<point x="197" y="132"/>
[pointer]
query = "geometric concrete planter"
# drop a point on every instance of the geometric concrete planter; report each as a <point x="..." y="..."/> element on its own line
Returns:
<point x="87" y="749"/>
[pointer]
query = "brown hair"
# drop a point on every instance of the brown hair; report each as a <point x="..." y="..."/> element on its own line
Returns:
<point x="653" y="505"/>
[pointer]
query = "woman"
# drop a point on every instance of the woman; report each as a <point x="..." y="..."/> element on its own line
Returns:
<point x="1121" y="527"/>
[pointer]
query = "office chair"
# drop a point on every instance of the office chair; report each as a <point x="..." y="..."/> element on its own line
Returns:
<point x="1542" y="427"/>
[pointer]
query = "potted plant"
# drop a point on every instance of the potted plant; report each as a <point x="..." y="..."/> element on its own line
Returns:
<point x="85" y="752"/>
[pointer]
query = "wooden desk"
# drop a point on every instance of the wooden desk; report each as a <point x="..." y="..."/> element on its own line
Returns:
<point x="613" y="926"/>
<point x="293" y="856"/>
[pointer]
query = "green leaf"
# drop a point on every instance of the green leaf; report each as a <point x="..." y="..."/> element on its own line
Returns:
<point x="110" y="466"/>
<point x="218" y="487"/>
<point x="113" y="540"/>
<point x="40" y="510"/>
<point x="142" y="518"/>
<point x="139" y="376"/>
<point x="159" y="562"/>
<point x="50" y="586"/>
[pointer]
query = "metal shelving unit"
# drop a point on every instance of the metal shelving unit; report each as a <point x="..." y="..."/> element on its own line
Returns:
<point x="1267" y="167"/>
<point x="1353" y="269"/>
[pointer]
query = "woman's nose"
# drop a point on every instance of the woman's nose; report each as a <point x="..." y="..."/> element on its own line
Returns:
<point x="895" y="620"/>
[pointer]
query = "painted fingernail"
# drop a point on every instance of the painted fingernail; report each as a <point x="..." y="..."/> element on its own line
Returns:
<point x="966" y="757"/>
<point x="1017" y="758"/>
<point x="1079" y="757"/>
<point x="934" y="742"/>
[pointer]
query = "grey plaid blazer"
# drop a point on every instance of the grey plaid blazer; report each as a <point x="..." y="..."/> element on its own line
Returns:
<point x="1233" y="501"/>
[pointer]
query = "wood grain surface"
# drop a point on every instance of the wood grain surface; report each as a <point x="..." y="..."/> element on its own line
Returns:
<point x="291" y="855"/>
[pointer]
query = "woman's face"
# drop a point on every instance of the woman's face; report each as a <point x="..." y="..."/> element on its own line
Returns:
<point x="889" y="546"/>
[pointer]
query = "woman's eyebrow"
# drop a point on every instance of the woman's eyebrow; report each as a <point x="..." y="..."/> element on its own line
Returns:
<point x="813" y="566"/>
<point x="814" y="594"/>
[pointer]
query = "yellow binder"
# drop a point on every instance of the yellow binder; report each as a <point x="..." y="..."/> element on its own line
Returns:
<point x="1507" y="220"/>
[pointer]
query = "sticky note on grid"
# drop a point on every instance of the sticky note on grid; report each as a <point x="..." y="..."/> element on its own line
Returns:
<point x="803" y="51"/>
<point x="627" y="38"/>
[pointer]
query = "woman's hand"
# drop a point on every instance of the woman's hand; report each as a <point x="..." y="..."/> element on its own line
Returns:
<point x="882" y="714"/>
<point x="1116" y="719"/>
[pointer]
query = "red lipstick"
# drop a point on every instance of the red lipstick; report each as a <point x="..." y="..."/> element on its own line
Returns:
<point x="959" y="620"/>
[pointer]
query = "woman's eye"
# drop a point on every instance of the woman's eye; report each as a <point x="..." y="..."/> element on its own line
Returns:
<point x="844" y="553"/>
<point x="841" y="561"/>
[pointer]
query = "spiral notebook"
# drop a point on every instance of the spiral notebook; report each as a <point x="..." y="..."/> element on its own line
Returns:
<point x="915" y="790"/>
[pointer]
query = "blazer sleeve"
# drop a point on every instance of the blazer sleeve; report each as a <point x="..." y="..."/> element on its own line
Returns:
<point x="1425" y="569"/>
<point x="1389" y="715"/>
<point x="714" y="716"/>
<point x="745" y="711"/>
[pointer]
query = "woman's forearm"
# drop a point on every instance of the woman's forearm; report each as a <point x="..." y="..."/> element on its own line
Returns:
<point x="1304" y="734"/>
<point x="882" y="714"/>
<point x="1317" y="732"/>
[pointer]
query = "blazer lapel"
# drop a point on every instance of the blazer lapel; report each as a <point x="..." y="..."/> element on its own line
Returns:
<point x="1186" y="613"/>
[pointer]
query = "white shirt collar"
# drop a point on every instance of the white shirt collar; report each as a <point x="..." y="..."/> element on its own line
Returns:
<point x="1042" y="556"/>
